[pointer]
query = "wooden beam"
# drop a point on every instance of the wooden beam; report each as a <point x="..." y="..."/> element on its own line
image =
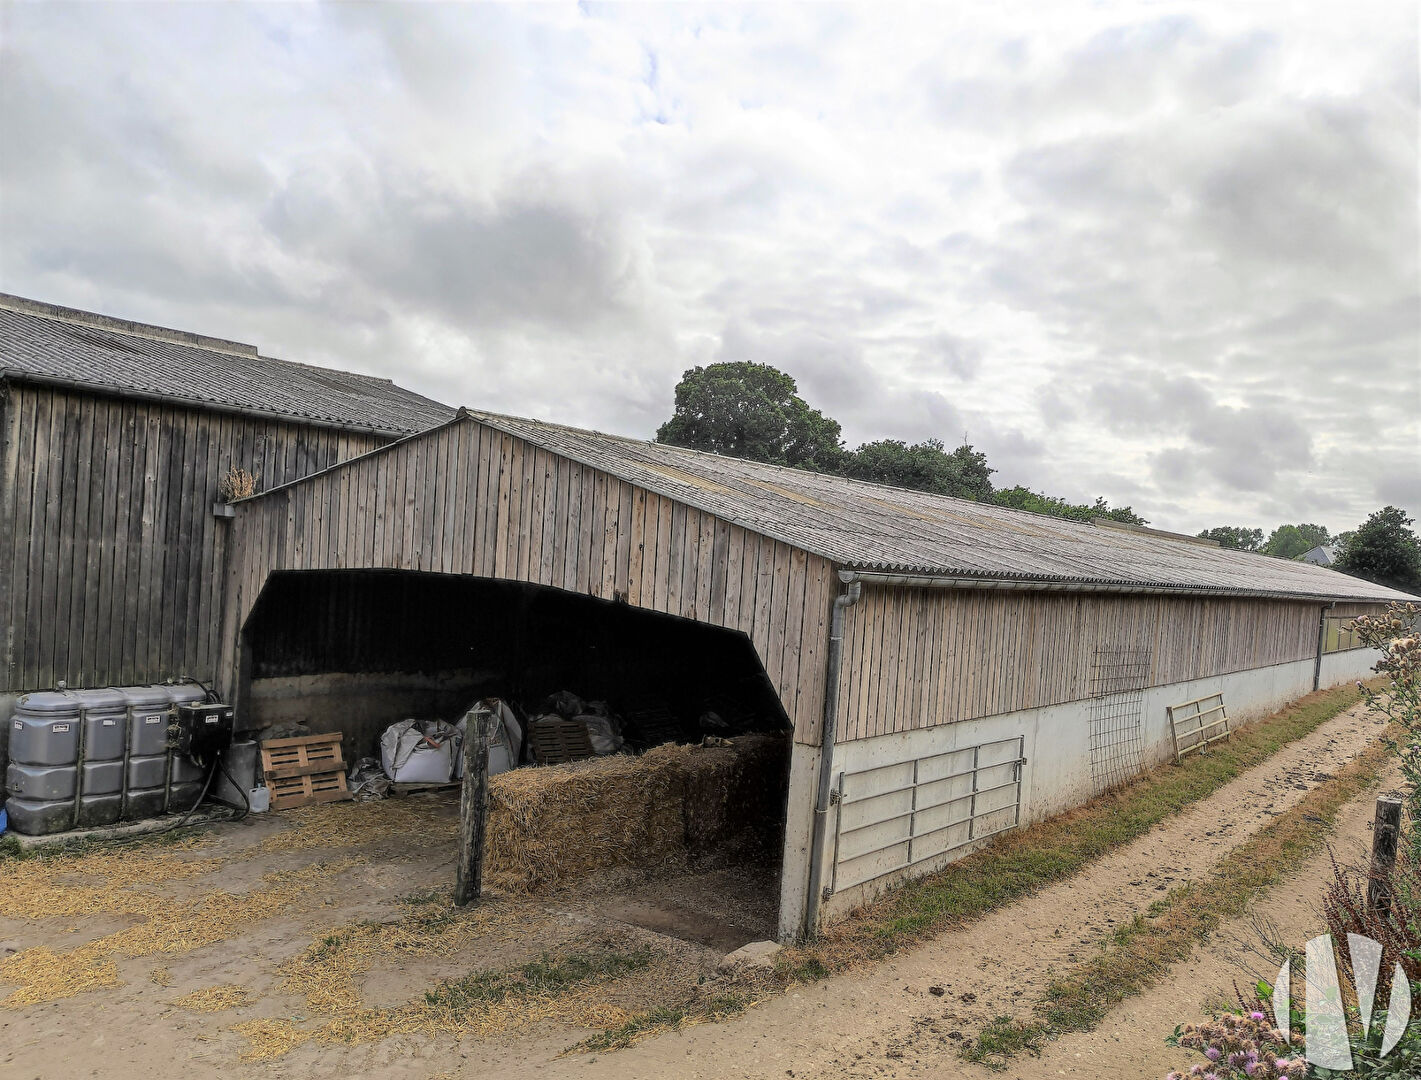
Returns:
<point x="473" y="811"/>
<point x="1385" y="831"/>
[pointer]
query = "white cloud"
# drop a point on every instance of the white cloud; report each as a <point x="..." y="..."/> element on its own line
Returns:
<point x="1168" y="255"/>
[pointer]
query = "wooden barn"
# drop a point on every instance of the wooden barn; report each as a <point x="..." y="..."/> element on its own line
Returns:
<point x="945" y="669"/>
<point x="114" y="439"/>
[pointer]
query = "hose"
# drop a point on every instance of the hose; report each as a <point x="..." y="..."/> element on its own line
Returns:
<point x="246" y="802"/>
<point x="211" y="697"/>
<point x="182" y="822"/>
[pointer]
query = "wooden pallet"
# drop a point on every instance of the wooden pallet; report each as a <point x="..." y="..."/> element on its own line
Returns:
<point x="304" y="770"/>
<point x="554" y="740"/>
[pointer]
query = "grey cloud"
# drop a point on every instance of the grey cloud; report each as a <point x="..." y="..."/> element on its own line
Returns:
<point x="1245" y="449"/>
<point x="1187" y="256"/>
<point x="955" y="355"/>
<point x="1123" y="71"/>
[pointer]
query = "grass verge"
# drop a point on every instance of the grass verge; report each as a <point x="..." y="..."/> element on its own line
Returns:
<point x="1026" y="860"/>
<point x="664" y="1018"/>
<point x="1013" y="866"/>
<point x="549" y="976"/>
<point x="1142" y="952"/>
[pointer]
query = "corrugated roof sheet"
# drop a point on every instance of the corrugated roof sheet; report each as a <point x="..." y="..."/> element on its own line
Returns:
<point x="869" y="526"/>
<point x="95" y="351"/>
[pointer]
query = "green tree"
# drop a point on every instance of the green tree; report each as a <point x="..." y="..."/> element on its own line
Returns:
<point x="1236" y="537"/>
<point x="754" y="411"/>
<point x="1385" y="549"/>
<point x="1290" y="541"/>
<point x="925" y="466"/>
<point x="1021" y="498"/>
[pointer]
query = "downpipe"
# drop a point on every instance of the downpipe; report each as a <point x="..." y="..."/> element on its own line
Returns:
<point x="846" y="599"/>
<point x="1321" y="642"/>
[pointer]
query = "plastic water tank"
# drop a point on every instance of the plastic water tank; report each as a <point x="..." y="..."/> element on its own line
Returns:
<point x="44" y="755"/>
<point x="185" y="780"/>
<point x="146" y="774"/>
<point x="105" y="715"/>
<point x="104" y="736"/>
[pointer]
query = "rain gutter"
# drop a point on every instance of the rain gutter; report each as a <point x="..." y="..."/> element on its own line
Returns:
<point x="1046" y="584"/>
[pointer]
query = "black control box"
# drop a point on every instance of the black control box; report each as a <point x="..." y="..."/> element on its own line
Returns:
<point x="204" y="731"/>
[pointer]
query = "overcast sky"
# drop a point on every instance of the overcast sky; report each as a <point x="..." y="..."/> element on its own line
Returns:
<point x="1166" y="254"/>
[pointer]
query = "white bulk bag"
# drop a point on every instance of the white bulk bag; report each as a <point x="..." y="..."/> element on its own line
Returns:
<point x="420" y="751"/>
<point x="505" y="743"/>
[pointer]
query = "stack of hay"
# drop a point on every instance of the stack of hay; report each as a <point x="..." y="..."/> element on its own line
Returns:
<point x="548" y="826"/>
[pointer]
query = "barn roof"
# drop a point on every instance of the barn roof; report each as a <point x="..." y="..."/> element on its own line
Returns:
<point x="56" y="345"/>
<point x="873" y="527"/>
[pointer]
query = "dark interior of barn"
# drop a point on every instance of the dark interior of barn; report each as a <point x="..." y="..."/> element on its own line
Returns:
<point x="357" y="651"/>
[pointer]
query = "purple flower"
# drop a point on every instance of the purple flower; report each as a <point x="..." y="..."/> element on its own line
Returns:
<point x="1256" y="1015"/>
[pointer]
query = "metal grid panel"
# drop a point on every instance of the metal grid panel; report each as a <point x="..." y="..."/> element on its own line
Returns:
<point x="1117" y="713"/>
<point x="895" y="816"/>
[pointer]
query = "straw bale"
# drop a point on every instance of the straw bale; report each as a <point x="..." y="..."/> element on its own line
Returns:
<point x="549" y="826"/>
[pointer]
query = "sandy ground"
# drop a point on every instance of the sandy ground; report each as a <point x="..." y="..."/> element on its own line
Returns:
<point x="879" y="1022"/>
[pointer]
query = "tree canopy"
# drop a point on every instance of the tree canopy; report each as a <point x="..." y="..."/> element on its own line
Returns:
<point x="1237" y="537"/>
<point x="1290" y="541"/>
<point x="1385" y="549"/>
<point x="749" y="410"/>
<point x="925" y="466"/>
<point x="1021" y="498"/>
<point x="754" y="411"/>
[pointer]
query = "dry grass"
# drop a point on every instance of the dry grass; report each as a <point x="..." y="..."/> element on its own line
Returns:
<point x="215" y="998"/>
<point x="112" y="881"/>
<point x="418" y="823"/>
<point x="236" y="484"/>
<point x="169" y="927"/>
<point x="567" y="985"/>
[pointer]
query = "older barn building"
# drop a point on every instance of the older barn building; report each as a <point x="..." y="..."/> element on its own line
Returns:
<point x="114" y="438"/>
<point x="947" y="669"/>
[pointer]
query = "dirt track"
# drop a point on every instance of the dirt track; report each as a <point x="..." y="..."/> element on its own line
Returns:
<point x="881" y="1022"/>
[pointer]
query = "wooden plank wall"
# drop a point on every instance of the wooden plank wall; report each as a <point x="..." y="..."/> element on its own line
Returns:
<point x="467" y="499"/>
<point x="110" y="557"/>
<point x="915" y="658"/>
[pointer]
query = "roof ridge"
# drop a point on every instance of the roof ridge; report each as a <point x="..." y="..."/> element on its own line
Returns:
<point x="324" y="368"/>
<point x="49" y="343"/>
<point x="97" y="321"/>
<point x="1009" y="511"/>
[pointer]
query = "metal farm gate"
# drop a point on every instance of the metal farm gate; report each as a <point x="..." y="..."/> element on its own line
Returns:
<point x="892" y="817"/>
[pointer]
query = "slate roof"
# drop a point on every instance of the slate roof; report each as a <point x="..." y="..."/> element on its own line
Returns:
<point x="874" y="527"/>
<point x="42" y="342"/>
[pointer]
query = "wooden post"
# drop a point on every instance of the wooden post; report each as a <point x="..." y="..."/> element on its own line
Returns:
<point x="473" y="810"/>
<point x="1386" y="830"/>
